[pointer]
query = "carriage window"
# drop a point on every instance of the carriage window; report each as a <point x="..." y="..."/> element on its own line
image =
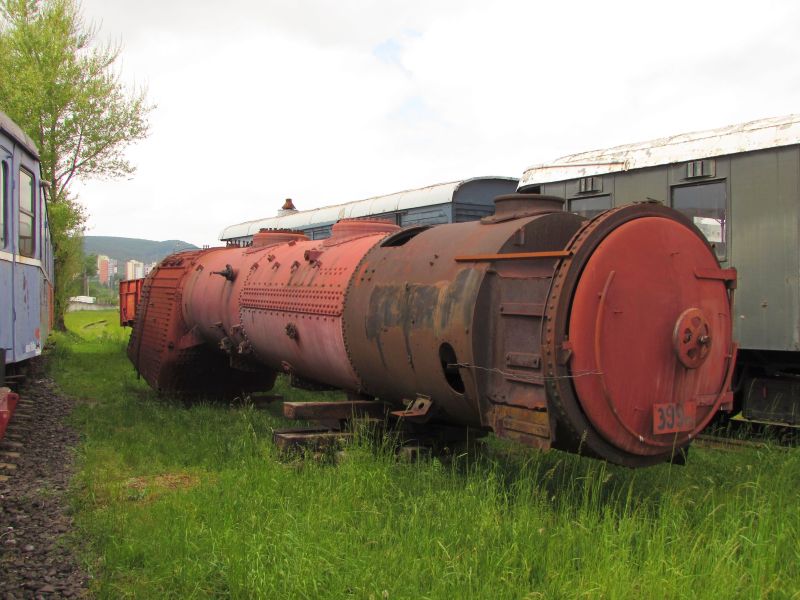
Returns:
<point x="705" y="205"/>
<point x="27" y="218"/>
<point x="3" y="204"/>
<point x="590" y="207"/>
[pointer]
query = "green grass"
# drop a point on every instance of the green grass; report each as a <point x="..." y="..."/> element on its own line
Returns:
<point x="196" y="503"/>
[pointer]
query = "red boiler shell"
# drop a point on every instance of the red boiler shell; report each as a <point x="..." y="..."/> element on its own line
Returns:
<point x="636" y="287"/>
<point x="348" y="228"/>
<point x="291" y="306"/>
<point x="270" y="237"/>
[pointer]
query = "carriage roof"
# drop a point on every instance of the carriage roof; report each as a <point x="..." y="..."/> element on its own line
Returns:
<point x="744" y="137"/>
<point x="19" y="136"/>
<point x="430" y="195"/>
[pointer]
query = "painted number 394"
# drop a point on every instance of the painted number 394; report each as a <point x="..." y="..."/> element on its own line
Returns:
<point x="672" y="417"/>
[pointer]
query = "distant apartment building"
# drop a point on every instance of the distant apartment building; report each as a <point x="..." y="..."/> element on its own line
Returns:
<point x="103" y="269"/>
<point x="113" y="269"/>
<point x="134" y="269"/>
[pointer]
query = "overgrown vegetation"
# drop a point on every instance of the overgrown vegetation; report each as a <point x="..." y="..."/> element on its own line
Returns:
<point x="195" y="502"/>
<point x="63" y="90"/>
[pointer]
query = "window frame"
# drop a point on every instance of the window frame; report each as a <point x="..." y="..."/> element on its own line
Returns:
<point x="31" y="214"/>
<point x="4" y="203"/>
<point x="697" y="183"/>
<point x="586" y="198"/>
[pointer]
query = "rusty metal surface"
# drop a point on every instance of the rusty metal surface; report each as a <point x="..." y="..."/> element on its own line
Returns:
<point x="609" y="337"/>
<point x="129" y="293"/>
<point x="611" y="320"/>
<point x="418" y="410"/>
<point x="291" y="304"/>
<point x="244" y="314"/>
<point x="8" y="403"/>
<point x="270" y="237"/>
<point x="692" y="338"/>
<point x="420" y="323"/>
<point x="158" y="321"/>
<point x="511" y="256"/>
<point x="169" y="353"/>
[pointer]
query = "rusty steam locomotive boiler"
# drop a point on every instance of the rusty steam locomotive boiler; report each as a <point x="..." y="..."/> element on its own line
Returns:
<point x="610" y="337"/>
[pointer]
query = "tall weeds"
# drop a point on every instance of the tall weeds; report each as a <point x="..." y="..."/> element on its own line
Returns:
<point x="176" y="501"/>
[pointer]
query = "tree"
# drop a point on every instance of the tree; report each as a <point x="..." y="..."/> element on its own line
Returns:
<point x="88" y="271"/>
<point x="64" y="91"/>
<point x="90" y="265"/>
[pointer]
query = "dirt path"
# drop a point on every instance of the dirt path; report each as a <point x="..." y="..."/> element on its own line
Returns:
<point x="35" y="468"/>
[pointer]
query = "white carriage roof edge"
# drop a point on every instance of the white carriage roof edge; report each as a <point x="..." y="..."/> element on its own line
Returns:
<point x="15" y="131"/>
<point x="744" y="137"/>
<point x="438" y="193"/>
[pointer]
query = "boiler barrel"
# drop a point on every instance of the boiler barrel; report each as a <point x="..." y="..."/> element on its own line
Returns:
<point x="610" y="337"/>
<point x="424" y="317"/>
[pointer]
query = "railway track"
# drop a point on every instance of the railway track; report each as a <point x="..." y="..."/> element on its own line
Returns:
<point x="35" y="470"/>
<point x="737" y="435"/>
<point x="727" y="443"/>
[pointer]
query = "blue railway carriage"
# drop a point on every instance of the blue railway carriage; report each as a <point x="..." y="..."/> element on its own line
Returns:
<point x="741" y="186"/>
<point x="26" y="257"/>
<point x="452" y="202"/>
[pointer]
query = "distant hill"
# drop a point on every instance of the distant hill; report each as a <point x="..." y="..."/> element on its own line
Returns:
<point x="122" y="248"/>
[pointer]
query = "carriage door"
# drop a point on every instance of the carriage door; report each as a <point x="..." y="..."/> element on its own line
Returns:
<point x="27" y="270"/>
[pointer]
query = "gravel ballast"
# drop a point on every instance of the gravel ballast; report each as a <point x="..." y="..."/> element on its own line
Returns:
<point x="37" y="559"/>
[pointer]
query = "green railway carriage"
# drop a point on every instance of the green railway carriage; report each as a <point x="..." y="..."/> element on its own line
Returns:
<point x="741" y="186"/>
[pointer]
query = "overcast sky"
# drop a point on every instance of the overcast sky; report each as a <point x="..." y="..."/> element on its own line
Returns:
<point x="327" y="101"/>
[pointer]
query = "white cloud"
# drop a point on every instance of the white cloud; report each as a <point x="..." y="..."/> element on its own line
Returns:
<point x="330" y="101"/>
